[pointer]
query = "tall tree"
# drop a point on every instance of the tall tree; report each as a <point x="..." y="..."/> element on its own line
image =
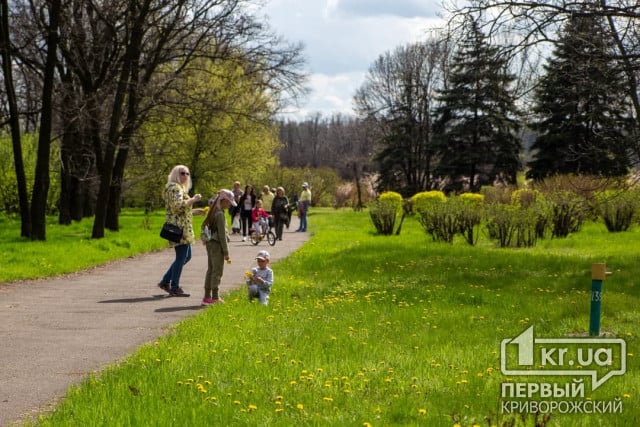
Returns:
<point x="42" y="179"/>
<point x="477" y="121"/>
<point x="398" y="95"/>
<point x="116" y="60"/>
<point x="581" y="106"/>
<point x="529" y="26"/>
<point x="14" y="119"/>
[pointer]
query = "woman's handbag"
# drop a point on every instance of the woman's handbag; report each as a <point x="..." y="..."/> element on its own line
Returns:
<point x="171" y="232"/>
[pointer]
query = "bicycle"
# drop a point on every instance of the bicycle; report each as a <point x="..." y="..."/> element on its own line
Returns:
<point x="257" y="238"/>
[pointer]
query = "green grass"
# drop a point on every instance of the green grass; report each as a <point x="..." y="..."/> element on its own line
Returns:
<point x="70" y="248"/>
<point x="376" y="330"/>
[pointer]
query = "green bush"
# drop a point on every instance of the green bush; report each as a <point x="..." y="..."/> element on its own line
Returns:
<point x="469" y="208"/>
<point x="512" y="225"/>
<point x="568" y="212"/>
<point x="540" y="213"/>
<point x="617" y="208"/>
<point x="384" y="212"/>
<point x="501" y="223"/>
<point x="440" y="221"/>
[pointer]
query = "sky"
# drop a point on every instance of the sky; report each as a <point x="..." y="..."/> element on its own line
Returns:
<point x="342" y="39"/>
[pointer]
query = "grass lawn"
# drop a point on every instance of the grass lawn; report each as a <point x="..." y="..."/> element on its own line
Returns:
<point x="369" y="330"/>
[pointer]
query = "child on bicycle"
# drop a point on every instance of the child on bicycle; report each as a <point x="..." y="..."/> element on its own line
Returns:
<point x="260" y="219"/>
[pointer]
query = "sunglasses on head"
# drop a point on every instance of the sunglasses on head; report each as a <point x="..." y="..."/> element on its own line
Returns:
<point x="184" y="173"/>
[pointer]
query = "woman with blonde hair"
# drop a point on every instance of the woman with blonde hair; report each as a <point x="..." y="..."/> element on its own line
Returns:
<point x="179" y="211"/>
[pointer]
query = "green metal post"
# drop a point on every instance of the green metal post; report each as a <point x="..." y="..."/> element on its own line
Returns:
<point x="598" y="272"/>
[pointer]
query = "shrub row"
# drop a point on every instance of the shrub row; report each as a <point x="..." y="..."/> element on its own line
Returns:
<point x="515" y="218"/>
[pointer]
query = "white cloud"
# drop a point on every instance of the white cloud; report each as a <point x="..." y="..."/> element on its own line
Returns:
<point x="331" y="94"/>
<point x="343" y="38"/>
<point x="401" y="8"/>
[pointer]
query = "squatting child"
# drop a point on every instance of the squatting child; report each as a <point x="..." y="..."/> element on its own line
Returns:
<point x="260" y="279"/>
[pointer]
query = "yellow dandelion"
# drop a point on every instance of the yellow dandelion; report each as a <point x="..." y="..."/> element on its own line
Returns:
<point x="366" y="424"/>
<point x="279" y="409"/>
<point x="480" y="374"/>
<point x="626" y="396"/>
<point x="422" y="411"/>
<point x="236" y="402"/>
<point x="300" y="406"/>
<point x="328" y="399"/>
<point x="252" y="408"/>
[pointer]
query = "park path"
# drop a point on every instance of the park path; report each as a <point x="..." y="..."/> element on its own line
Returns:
<point x="54" y="332"/>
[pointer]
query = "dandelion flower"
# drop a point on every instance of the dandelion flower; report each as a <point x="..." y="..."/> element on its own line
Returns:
<point x="300" y="406"/>
<point x="422" y="411"/>
<point x="626" y="396"/>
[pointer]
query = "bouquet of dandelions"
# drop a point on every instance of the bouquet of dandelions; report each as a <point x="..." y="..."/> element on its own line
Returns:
<point x="248" y="275"/>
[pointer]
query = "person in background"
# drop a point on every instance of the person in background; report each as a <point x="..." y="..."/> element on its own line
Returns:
<point x="303" y="206"/>
<point x="234" y="211"/>
<point x="279" y="211"/>
<point x="214" y="236"/>
<point x="179" y="211"/>
<point x="267" y="198"/>
<point x="246" y="203"/>
<point x="260" y="279"/>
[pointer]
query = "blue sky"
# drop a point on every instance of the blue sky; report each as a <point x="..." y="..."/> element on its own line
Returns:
<point x="343" y="38"/>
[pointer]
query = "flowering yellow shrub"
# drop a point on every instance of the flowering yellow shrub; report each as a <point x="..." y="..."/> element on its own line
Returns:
<point x="384" y="211"/>
<point x="472" y="197"/>
<point x="525" y="197"/>
<point x="391" y="197"/>
<point x="420" y="201"/>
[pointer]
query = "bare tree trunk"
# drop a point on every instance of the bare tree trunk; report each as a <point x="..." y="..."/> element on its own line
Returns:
<point x="14" y="120"/>
<point x="358" y="206"/>
<point x="127" y="85"/>
<point x="41" y="180"/>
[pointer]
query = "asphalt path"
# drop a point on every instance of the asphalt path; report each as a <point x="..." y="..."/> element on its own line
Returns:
<point x="55" y="332"/>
